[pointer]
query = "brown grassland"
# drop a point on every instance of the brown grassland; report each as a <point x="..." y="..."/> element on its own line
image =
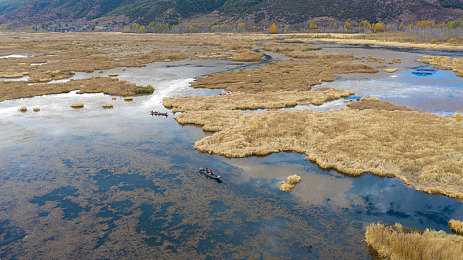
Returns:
<point x="54" y="56"/>
<point x="247" y="56"/>
<point x="296" y="75"/>
<point x="456" y="226"/>
<point x="380" y="39"/>
<point x="260" y="100"/>
<point x="397" y="242"/>
<point x="109" y="86"/>
<point x="421" y="149"/>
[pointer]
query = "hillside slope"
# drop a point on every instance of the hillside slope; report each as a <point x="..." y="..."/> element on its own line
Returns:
<point x="260" y="12"/>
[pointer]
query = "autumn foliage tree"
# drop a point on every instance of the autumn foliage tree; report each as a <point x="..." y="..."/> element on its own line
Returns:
<point x="378" y="27"/>
<point x="347" y="25"/>
<point x="273" y="28"/>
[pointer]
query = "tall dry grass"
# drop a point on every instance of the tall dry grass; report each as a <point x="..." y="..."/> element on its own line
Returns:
<point x="393" y="243"/>
<point x="423" y="150"/>
<point x="109" y="86"/>
<point x="456" y="226"/>
<point x="297" y="75"/>
<point x="247" y="56"/>
<point x="261" y="100"/>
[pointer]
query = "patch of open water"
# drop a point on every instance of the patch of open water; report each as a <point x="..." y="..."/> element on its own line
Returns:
<point x="120" y="183"/>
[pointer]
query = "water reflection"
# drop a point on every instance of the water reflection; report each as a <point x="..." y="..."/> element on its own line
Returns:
<point x="123" y="184"/>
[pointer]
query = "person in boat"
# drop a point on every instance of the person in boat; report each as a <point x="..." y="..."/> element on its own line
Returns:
<point x="212" y="172"/>
<point x="207" y="170"/>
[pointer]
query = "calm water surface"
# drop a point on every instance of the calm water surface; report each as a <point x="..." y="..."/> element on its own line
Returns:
<point x="105" y="184"/>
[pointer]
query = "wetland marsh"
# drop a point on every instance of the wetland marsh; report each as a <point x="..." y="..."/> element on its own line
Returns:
<point x="120" y="183"/>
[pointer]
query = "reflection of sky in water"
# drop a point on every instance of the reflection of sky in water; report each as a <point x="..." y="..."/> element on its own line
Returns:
<point x="421" y="87"/>
<point x="121" y="183"/>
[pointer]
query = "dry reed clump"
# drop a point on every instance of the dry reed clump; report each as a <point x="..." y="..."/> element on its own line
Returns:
<point x="107" y="106"/>
<point x="128" y="98"/>
<point x="445" y="63"/>
<point x="247" y="56"/>
<point x="396" y="242"/>
<point x="349" y="67"/>
<point x="456" y="226"/>
<point x="109" y="86"/>
<point x="392" y="70"/>
<point x="297" y="75"/>
<point x="261" y="100"/>
<point x="423" y="150"/>
<point x="290" y="182"/>
<point x="291" y="49"/>
<point x="375" y="103"/>
<point x="77" y="105"/>
<point x="23" y="109"/>
<point x="113" y="74"/>
<point x="36" y="109"/>
<point x="286" y="186"/>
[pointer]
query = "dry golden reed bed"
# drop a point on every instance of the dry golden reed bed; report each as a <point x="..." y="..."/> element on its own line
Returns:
<point x="260" y="100"/>
<point x="456" y="226"/>
<point x="297" y="75"/>
<point x="386" y="39"/>
<point x="247" y="56"/>
<point x="423" y="150"/>
<point x="109" y="86"/>
<point x="397" y="242"/>
<point x="445" y="63"/>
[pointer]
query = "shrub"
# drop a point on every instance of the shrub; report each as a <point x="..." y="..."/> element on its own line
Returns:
<point x="273" y="28"/>
<point x="144" y="90"/>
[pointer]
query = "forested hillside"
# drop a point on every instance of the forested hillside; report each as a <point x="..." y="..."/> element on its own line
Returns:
<point x="258" y="12"/>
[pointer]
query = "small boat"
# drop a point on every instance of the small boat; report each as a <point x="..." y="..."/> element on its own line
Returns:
<point x="156" y="113"/>
<point x="213" y="176"/>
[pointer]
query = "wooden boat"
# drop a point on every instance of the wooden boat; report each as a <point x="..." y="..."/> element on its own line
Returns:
<point x="203" y="171"/>
<point x="156" y="113"/>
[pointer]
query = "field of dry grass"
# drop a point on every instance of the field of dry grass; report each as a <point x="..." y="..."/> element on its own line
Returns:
<point x="54" y="56"/>
<point x="397" y="242"/>
<point x="260" y="100"/>
<point x="381" y="39"/>
<point x="296" y="75"/>
<point x="247" y="56"/>
<point x="110" y="86"/>
<point x="456" y="226"/>
<point x="421" y="149"/>
<point x="445" y="63"/>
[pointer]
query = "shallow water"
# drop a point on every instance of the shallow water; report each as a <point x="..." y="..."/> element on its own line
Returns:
<point x="120" y="183"/>
<point x="414" y="85"/>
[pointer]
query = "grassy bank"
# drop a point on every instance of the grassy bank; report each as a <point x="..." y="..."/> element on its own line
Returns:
<point x="397" y="242"/>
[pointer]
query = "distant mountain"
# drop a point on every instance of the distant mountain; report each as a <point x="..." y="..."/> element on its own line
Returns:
<point x="259" y="12"/>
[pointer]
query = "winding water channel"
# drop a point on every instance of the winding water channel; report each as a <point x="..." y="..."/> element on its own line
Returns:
<point x="120" y="183"/>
